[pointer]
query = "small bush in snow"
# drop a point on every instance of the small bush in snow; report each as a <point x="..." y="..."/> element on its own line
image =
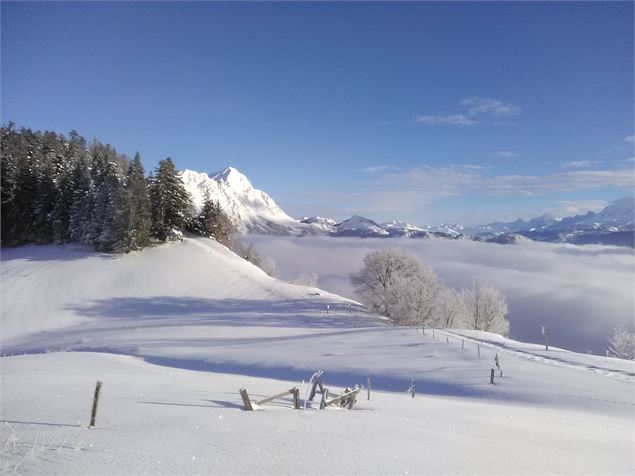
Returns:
<point x="622" y="343"/>
<point x="307" y="279"/>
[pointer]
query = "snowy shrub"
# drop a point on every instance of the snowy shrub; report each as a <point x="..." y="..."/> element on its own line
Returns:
<point x="307" y="279"/>
<point x="486" y="309"/>
<point x="622" y="343"/>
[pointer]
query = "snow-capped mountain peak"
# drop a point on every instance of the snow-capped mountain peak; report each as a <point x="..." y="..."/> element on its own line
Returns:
<point x="233" y="177"/>
<point x="360" y="226"/>
<point x="251" y="209"/>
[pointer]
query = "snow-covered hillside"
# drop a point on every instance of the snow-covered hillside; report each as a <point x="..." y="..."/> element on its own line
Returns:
<point x="251" y="209"/>
<point x="175" y="331"/>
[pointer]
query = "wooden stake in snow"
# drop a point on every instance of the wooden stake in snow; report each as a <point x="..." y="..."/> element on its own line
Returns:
<point x="498" y="365"/>
<point x="478" y="349"/>
<point x="296" y="398"/>
<point x="433" y="338"/>
<point x="491" y="376"/>
<point x="246" y="401"/>
<point x="93" y="413"/>
<point x="412" y="389"/>
<point x="447" y="339"/>
<point x="369" y="382"/>
<point x="463" y="345"/>
<point x="325" y="396"/>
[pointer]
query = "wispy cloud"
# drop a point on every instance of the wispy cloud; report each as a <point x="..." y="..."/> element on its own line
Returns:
<point x="478" y="106"/>
<point x="533" y="185"/>
<point x="632" y="159"/>
<point x="453" y="120"/>
<point x="505" y="154"/>
<point x="407" y="193"/>
<point x="565" y="208"/>
<point x="476" y="109"/>
<point x="630" y="139"/>
<point x="377" y="169"/>
<point x="580" y="164"/>
<point x="444" y="181"/>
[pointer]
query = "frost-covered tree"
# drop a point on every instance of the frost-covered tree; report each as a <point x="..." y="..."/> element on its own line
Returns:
<point x="383" y="281"/>
<point x="414" y="299"/>
<point x="451" y="307"/>
<point x="171" y="204"/>
<point x="307" y="279"/>
<point x="266" y="264"/>
<point x="622" y="343"/>
<point x="487" y="309"/>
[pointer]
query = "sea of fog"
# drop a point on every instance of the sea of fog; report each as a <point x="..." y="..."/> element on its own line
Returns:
<point x="581" y="292"/>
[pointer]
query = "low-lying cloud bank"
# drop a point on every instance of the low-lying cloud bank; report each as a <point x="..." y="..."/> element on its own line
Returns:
<point x="582" y="292"/>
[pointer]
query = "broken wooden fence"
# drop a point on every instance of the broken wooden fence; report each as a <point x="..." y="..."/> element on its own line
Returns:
<point x="295" y="391"/>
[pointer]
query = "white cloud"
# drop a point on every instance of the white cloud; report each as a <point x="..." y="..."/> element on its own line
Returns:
<point x="632" y="159"/>
<point x="453" y="120"/>
<point x="478" y="106"/>
<point x="580" y="164"/>
<point x="476" y="109"/>
<point x="630" y="139"/>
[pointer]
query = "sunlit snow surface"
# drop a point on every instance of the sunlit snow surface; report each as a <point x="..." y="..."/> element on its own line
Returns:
<point x="175" y="331"/>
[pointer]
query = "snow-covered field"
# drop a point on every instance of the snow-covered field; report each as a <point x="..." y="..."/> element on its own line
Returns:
<point x="175" y="331"/>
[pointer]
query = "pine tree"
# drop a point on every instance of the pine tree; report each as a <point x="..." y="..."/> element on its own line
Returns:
<point x="213" y="222"/>
<point x="171" y="204"/>
<point x="74" y="150"/>
<point x="140" y="207"/>
<point x="111" y="212"/>
<point x="82" y="207"/>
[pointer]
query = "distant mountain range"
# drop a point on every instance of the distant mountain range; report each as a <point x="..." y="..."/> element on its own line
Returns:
<point x="256" y="212"/>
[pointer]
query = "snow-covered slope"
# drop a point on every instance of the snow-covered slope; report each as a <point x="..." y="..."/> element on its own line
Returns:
<point x="175" y="331"/>
<point x="251" y="209"/>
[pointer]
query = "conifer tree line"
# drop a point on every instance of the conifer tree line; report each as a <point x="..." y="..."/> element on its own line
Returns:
<point x="59" y="189"/>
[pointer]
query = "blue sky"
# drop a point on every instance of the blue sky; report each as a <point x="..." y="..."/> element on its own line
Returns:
<point x="460" y="112"/>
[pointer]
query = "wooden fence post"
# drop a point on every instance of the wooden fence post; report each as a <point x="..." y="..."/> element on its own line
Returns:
<point x="463" y="345"/>
<point x="246" y="401"/>
<point x="478" y="348"/>
<point x="93" y="413"/>
<point x="325" y="395"/>
<point x="369" y="381"/>
<point x="433" y="337"/>
<point x="296" y="398"/>
<point x="491" y="376"/>
<point x="447" y="339"/>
